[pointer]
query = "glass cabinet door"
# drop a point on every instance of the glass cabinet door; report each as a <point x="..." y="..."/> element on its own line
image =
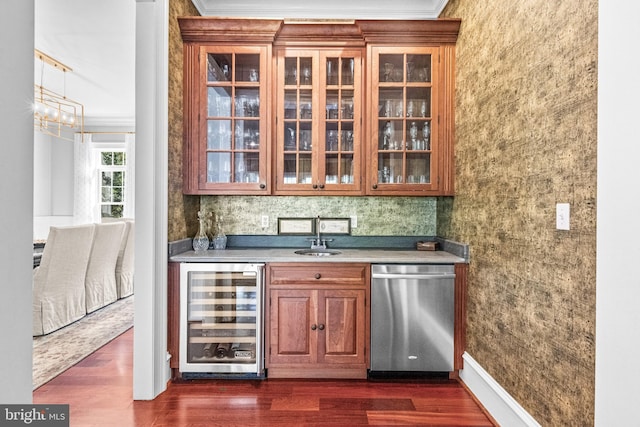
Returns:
<point x="318" y="121"/>
<point x="404" y="119"/>
<point x="235" y="118"/>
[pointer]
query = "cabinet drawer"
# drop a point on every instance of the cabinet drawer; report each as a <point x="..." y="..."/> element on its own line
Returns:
<point x="317" y="273"/>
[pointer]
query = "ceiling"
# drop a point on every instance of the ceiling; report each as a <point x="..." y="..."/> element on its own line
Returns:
<point x="96" y="39"/>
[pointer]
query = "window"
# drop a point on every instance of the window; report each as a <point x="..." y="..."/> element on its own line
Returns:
<point x="112" y="171"/>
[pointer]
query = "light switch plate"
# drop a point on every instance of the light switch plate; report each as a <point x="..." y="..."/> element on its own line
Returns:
<point x="563" y="213"/>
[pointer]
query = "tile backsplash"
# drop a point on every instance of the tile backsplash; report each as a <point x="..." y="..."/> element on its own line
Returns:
<point x="382" y="216"/>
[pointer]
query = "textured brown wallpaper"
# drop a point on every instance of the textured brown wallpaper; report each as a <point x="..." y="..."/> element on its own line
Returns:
<point x="178" y="204"/>
<point x="526" y="140"/>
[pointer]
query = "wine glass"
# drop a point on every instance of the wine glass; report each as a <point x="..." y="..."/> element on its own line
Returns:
<point x="388" y="70"/>
<point x="410" y="68"/>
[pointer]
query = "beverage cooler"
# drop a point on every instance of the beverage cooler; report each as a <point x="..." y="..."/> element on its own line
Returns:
<point x="221" y="320"/>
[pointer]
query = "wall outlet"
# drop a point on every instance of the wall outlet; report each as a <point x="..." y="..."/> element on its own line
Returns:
<point x="264" y="220"/>
<point x="354" y="221"/>
<point x="563" y="213"/>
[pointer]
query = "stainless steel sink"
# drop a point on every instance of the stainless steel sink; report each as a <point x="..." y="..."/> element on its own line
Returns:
<point x="318" y="252"/>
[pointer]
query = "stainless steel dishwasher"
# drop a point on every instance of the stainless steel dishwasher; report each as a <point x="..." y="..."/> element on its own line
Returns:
<point x="412" y="318"/>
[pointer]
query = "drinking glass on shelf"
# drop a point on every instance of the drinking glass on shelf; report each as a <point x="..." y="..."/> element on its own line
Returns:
<point x="410" y="68"/>
<point x="388" y="70"/>
<point x="253" y="75"/>
<point x="388" y="109"/>
<point x="409" y="108"/>
<point x="399" y="108"/>
<point x="306" y="76"/>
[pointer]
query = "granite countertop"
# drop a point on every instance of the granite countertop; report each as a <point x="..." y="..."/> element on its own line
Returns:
<point x="369" y="249"/>
<point x="374" y="256"/>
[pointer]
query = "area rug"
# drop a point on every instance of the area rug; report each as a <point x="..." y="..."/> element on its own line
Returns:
<point x="56" y="352"/>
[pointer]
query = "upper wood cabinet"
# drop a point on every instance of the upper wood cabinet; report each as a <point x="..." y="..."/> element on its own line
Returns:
<point x="318" y="108"/>
<point x="227" y="105"/>
<point x="318" y="121"/>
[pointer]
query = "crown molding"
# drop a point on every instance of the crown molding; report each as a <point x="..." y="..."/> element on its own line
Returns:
<point x="328" y="9"/>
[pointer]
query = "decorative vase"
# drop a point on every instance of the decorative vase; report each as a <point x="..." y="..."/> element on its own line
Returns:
<point x="201" y="241"/>
<point x="220" y="239"/>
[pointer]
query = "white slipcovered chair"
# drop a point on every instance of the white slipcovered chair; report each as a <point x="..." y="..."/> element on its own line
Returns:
<point x="100" y="281"/>
<point x="124" y="265"/>
<point x="59" y="281"/>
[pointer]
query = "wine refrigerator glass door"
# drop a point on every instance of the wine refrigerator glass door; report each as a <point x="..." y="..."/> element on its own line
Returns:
<point x="221" y="318"/>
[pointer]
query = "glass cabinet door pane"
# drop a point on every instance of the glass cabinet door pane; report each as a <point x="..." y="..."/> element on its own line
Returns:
<point x="333" y="71"/>
<point x="247" y="68"/>
<point x="418" y="102"/>
<point x="290" y="104"/>
<point x="391" y="68"/>
<point x="419" y="168"/>
<point x="247" y="135"/>
<point x="390" y="103"/>
<point x="305" y="135"/>
<point x="304" y="169"/>
<point x="306" y="71"/>
<point x="390" y="168"/>
<point x="219" y="67"/>
<point x="346" y="169"/>
<point x="219" y="134"/>
<point x="218" y="167"/>
<point x="246" y="167"/>
<point x="219" y="101"/>
<point x="347" y="73"/>
<point x="418" y="68"/>
<point x="247" y="103"/>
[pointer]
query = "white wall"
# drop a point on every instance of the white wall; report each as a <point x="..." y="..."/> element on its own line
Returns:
<point x="16" y="192"/>
<point x="62" y="178"/>
<point x="52" y="183"/>
<point x="618" y="228"/>
<point x="42" y="174"/>
<point x="52" y="176"/>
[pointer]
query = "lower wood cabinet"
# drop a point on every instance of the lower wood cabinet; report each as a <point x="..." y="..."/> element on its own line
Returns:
<point x="317" y="320"/>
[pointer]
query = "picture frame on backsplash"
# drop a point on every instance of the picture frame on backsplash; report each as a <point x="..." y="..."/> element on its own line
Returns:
<point x="296" y="226"/>
<point x="335" y="225"/>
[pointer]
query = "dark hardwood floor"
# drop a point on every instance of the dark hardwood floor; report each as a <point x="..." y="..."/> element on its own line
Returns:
<point x="99" y="392"/>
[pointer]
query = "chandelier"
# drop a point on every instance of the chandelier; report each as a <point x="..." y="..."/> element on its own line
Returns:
<point x="53" y="113"/>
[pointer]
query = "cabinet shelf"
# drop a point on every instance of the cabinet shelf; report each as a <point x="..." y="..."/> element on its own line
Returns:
<point x="220" y="340"/>
<point x="225" y="326"/>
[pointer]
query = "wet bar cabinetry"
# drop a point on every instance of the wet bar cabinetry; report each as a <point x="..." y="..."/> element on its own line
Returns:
<point x="318" y="108"/>
<point x="317" y="315"/>
<point x="227" y="72"/>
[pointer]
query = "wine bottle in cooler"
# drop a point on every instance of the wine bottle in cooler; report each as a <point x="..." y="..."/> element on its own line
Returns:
<point x="209" y="350"/>
<point x="223" y="350"/>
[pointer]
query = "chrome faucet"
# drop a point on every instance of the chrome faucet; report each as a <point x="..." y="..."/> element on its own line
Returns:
<point x="319" y="242"/>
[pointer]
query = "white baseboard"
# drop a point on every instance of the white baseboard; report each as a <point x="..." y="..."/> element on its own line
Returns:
<point x="502" y="407"/>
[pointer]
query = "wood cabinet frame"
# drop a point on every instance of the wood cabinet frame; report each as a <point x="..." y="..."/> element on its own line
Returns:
<point x="274" y="35"/>
<point x="307" y="288"/>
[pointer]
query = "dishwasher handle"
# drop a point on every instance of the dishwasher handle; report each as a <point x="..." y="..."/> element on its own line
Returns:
<point x="424" y="276"/>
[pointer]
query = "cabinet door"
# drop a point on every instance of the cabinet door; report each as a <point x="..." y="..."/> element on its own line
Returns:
<point x="318" y="116"/>
<point x="342" y="326"/>
<point x="405" y="135"/>
<point x="293" y="314"/>
<point x="230" y="144"/>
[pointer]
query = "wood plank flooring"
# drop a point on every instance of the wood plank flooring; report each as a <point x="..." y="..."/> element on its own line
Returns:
<point x="99" y="392"/>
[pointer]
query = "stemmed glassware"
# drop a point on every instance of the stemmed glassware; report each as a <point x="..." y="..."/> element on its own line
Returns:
<point x="410" y="68"/>
<point x="388" y="71"/>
